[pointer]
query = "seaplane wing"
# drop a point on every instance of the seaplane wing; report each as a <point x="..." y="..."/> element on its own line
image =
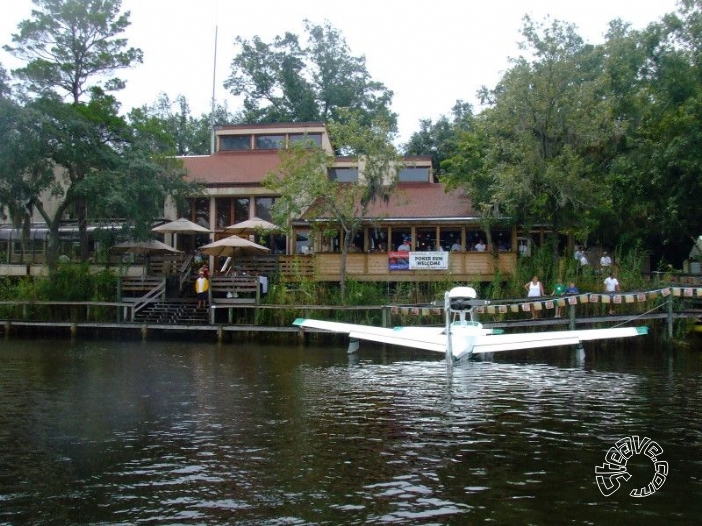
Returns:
<point x="534" y="340"/>
<point x="427" y="338"/>
<point x="466" y="340"/>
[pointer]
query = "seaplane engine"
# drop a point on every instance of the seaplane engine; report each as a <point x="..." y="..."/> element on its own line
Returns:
<point x="462" y="298"/>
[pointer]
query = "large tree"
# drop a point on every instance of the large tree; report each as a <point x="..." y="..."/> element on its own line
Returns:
<point x="284" y="81"/>
<point x="70" y="45"/>
<point x="305" y="188"/>
<point x="549" y="124"/>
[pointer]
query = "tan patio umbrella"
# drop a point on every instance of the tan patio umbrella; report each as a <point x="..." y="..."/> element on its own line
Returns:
<point x="180" y="226"/>
<point x="144" y="247"/>
<point x="255" y="225"/>
<point x="233" y="246"/>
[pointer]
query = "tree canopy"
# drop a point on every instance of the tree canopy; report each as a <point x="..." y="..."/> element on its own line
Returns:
<point x="287" y="81"/>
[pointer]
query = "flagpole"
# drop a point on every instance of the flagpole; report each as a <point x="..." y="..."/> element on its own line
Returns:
<point x="212" y="108"/>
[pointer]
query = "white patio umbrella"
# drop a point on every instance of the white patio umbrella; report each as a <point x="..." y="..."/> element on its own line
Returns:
<point x="144" y="247"/>
<point x="180" y="226"/>
<point x="255" y="225"/>
<point x="233" y="246"/>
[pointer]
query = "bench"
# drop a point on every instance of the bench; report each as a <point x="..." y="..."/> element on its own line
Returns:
<point x="233" y="290"/>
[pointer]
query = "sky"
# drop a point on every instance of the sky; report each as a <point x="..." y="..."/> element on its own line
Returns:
<point x="430" y="54"/>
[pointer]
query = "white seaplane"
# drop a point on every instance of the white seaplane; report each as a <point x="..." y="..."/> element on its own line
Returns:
<point x="465" y="336"/>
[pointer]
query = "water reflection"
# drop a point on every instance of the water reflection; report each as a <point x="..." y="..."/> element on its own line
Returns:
<point x="164" y="432"/>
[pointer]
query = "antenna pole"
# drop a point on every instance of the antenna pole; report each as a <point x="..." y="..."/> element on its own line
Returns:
<point x="212" y="106"/>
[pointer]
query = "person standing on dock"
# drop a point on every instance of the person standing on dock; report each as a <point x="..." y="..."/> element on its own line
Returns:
<point x="202" y="286"/>
<point x="559" y="289"/>
<point x="534" y="289"/>
<point x="611" y="285"/>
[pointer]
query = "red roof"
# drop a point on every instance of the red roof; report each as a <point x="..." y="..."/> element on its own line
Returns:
<point x="423" y="200"/>
<point x="244" y="167"/>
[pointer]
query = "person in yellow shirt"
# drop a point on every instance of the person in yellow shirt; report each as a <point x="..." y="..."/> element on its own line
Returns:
<point x="202" y="286"/>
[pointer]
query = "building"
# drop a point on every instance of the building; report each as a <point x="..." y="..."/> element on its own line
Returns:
<point x="420" y="211"/>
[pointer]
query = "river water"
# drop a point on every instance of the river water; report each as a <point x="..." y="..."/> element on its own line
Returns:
<point x="114" y="432"/>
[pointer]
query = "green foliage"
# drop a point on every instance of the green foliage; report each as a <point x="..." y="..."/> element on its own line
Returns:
<point x="285" y="81"/>
<point x="68" y="44"/>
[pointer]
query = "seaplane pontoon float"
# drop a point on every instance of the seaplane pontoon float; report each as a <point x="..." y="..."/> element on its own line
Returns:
<point x="463" y="335"/>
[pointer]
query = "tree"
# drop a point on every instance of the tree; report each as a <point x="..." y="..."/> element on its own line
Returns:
<point x="305" y="188"/>
<point x="549" y="123"/>
<point x="439" y="139"/>
<point x="177" y="132"/>
<point x="68" y="44"/>
<point x="286" y="82"/>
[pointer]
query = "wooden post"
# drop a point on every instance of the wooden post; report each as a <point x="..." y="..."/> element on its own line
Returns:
<point x="669" y="317"/>
<point x="571" y="317"/>
<point x="144" y="331"/>
<point x="74" y="330"/>
<point x="385" y="315"/>
<point x="8" y="324"/>
<point x="220" y="334"/>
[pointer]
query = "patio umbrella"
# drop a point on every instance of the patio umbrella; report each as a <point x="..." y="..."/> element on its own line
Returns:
<point x="144" y="247"/>
<point x="180" y="226"/>
<point x="255" y="225"/>
<point x="233" y="246"/>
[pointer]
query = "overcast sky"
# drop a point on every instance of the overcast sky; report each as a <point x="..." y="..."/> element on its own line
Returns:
<point x="430" y="54"/>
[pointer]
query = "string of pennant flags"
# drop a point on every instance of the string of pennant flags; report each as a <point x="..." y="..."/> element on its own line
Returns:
<point x="562" y="301"/>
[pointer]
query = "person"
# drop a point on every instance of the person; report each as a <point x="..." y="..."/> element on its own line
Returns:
<point x="534" y="289"/>
<point x="578" y="253"/>
<point x="202" y="285"/>
<point x="456" y="247"/>
<point x="583" y="260"/>
<point x="480" y="246"/>
<point x="438" y="248"/>
<point x="559" y="289"/>
<point x="205" y="270"/>
<point x="405" y="246"/>
<point x="353" y="248"/>
<point x="605" y="261"/>
<point x="611" y="285"/>
<point x="572" y="288"/>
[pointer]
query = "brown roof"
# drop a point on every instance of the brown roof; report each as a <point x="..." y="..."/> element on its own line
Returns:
<point x="422" y="201"/>
<point x="231" y="167"/>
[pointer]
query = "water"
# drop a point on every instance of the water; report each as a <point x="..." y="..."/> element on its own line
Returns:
<point x="196" y="433"/>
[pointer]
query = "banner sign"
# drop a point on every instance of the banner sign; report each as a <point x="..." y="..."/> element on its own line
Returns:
<point x="428" y="260"/>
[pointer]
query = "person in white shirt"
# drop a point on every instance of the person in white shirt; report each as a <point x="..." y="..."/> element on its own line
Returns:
<point x="605" y="261"/>
<point x="456" y="247"/>
<point x="405" y="246"/>
<point x="611" y="285"/>
<point x="480" y="246"/>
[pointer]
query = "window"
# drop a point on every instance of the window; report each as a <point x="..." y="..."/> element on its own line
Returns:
<point x="263" y="207"/>
<point x="414" y="175"/>
<point x="309" y="139"/>
<point x="343" y="175"/>
<point x="242" y="207"/>
<point x="234" y="142"/>
<point x="270" y="142"/>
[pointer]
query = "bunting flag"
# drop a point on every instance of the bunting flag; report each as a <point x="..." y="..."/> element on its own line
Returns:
<point x="405" y="310"/>
<point x="561" y="303"/>
<point x="526" y="307"/>
<point x="394" y="310"/>
<point x="604" y="298"/>
<point x="415" y="311"/>
<point x="677" y="291"/>
<point x="629" y="298"/>
<point x="653" y="295"/>
<point x="688" y="293"/>
<point x="491" y="309"/>
<point x="426" y="312"/>
<point x="538" y="305"/>
<point x="481" y="310"/>
<point x="503" y="309"/>
<point x="699" y="293"/>
<point x="549" y="304"/>
<point x="616" y="299"/>
<point x="665" y="292"/>
<point x="641" y="297"/>
<point x="437" y="311"/>
<point x="584" y="298"/>
<point x="573" y="300"/>
<point x="514" y="307"/>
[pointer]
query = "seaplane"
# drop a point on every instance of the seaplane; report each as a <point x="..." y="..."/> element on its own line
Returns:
<point x="463" y="335"/>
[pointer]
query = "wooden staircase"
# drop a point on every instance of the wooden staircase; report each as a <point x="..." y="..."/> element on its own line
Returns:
<point x="173" y="313"/>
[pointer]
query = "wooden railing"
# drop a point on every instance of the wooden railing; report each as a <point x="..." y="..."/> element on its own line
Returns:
<point x="463" y="266"/>
<point x="235" y="289"/>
